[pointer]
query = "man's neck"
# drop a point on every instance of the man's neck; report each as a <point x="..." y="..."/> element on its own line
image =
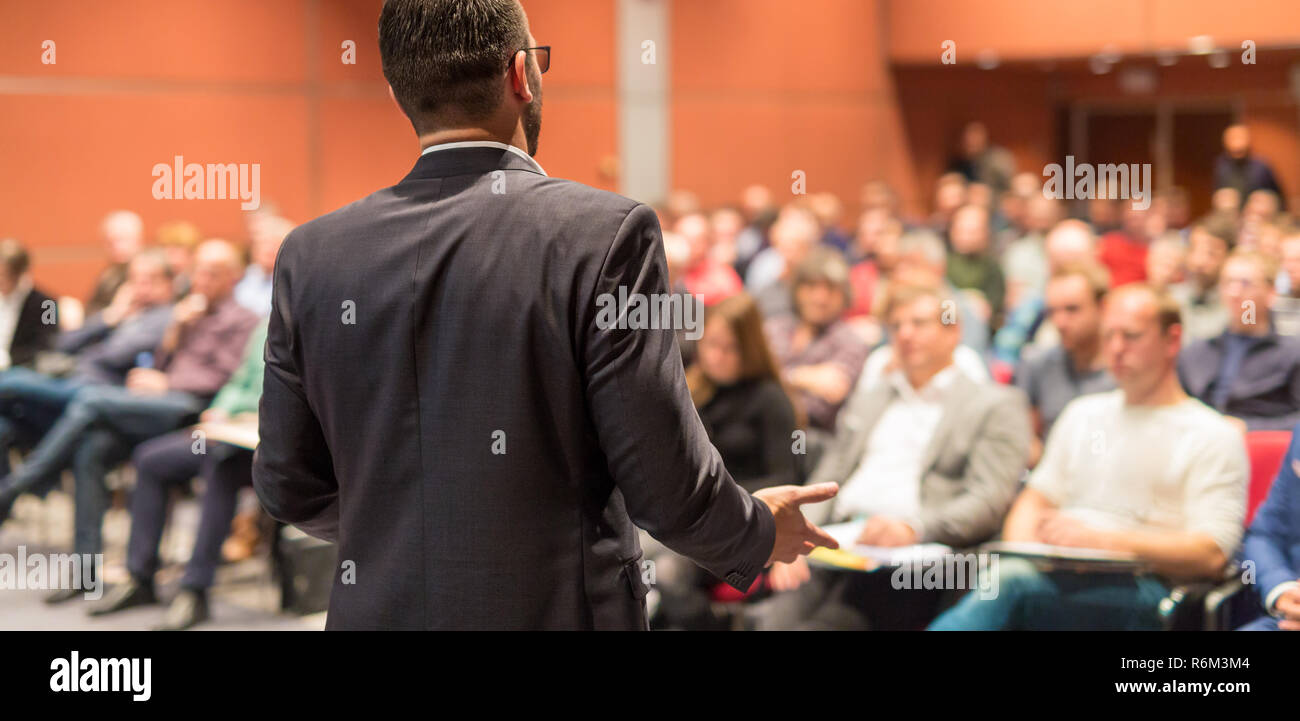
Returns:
<point x="1166" y="392"/>
<point x="921" y="377"/>
<point x="1087" y="356"/>
<point x="473" y="135"/>
<point x="1252" y="330"/>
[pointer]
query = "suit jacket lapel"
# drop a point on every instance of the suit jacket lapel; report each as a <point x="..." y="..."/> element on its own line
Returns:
<point x="956" y="396"/>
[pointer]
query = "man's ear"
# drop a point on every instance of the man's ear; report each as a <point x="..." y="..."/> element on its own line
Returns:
<point x="519" y="77"/>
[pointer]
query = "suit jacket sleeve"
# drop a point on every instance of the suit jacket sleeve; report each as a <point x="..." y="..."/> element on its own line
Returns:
<point x="671" y="477"/>
<point x="32" y="334"/>
<point x="92" y="331"/>
<point x="293" y="472"/>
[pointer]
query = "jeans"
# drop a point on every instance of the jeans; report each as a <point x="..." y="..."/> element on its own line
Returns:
<point x="170" y="460"/>
<point x="1032" y="599"/>
<point x="30" y="404"/>
<point x="96" y="431"/>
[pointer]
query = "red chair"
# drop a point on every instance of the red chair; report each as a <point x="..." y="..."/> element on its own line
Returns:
<point x="1267" y="450"/>
<point x="722" y="593"/>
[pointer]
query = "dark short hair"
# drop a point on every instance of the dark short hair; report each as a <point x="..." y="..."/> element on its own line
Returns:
<point x="13" y="257"/>
<point x="445" y="58"/>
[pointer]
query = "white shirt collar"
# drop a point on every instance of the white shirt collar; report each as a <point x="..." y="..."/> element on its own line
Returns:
<point x="932" y="391"/>
<point x="485" y="144"/>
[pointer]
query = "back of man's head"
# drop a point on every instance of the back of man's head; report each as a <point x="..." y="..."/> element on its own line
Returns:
<point x="446" y="59"/>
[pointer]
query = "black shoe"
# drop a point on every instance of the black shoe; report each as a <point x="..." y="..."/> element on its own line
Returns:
<point x="187" y="610"/>
<point x="124" y="596"/>
<point x="63" y="594"/>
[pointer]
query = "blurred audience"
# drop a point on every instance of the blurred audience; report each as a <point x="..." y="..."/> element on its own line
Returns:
<point x="1124" y="251"/>
<point x="1198" y="293"/>
<point x="254" y="289"/>
<point x="123" y="235"/>
<point x="177" y="240"/>
<point x="736" y="386"/>
<point x="1055" y="377"/>
<point x="1240" y="169"/>
<point x="702" y="273"/>
<point x="980" y="161"/>
<point x="1144" y="470"/>
<point x="1248" y="372"/>
<point x="200" y="349"/>
<point x="771" y="275"/>
<point x="170" y="460"/>
<point x="873" y="355"/>
<point x="972" y="266"/>
<point x="927" y="456"/>
<point x="102" y="351"/>
<point x="819" y="355"/>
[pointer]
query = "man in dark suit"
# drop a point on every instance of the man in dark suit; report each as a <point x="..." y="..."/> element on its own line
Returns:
<point x="28" y="318"/>
<point x="446" y="395"/>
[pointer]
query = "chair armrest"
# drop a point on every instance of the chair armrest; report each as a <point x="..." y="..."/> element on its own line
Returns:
<point x="1188" y="605"/>
<point x="1215" y="601"/>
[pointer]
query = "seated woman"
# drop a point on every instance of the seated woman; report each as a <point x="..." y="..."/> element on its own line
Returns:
<point x="750" y="420"/>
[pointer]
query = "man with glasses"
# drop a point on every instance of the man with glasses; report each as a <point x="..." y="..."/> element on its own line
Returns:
<point x="1248" y="372"/>
<point x="443" y="396"/>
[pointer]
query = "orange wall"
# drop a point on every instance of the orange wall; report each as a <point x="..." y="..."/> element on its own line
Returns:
<point x="762" y="88"/>
<point x="137" y="82"/>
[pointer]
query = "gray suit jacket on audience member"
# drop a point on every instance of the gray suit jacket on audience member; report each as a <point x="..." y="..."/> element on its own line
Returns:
<point x="972" y="466"/>
<point x="444" y="401"/>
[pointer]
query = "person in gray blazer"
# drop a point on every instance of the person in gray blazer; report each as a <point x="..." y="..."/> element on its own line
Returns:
<point x="923" y="455"/>
<point x="458" y="389"/>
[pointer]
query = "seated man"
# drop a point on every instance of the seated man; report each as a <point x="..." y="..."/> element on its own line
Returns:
<point x="1144" y="469"/>
<point x="927" y="457"/>
<point x="1248" y="372"/>
<point x="1273" y="544"/>
<point x="106" y="347"/>
<point x="28" y="323"/>
<point x="201" y="347"/>
<point x="169" y="460"/>
<point x="794" y="235"/>
<point x="1203" y="312"/>
<point x="1058" y="375"/>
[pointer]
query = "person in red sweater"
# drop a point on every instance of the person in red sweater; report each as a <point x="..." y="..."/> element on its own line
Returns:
<point x="704" y="275"/>
<point x="1124" y="251"/>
